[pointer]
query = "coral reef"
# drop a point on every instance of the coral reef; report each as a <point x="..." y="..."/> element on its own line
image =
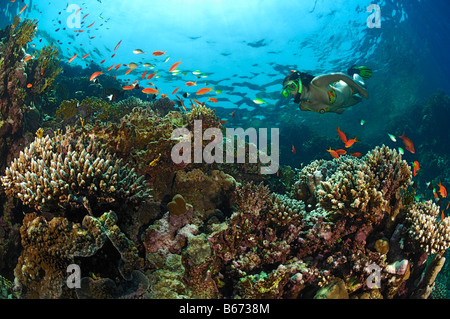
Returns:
<point x="55" y="172"/>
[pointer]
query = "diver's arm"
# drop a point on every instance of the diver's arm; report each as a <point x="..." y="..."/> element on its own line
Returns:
<point x="326" y="79"/>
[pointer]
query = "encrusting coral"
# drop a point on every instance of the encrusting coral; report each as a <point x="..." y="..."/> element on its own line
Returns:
<point x="53" y="172"/>
<point x="50" y="247"/>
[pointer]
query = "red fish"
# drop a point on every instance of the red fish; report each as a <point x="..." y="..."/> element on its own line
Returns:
<point x="109" y="69"/>
<point x="342" y="135"/>
<point x="143" y="74"/>
<point x="203" y="91"/>
<point x="350" y="142"/>
<point x="408" y="143"/>
<point x="72" y="58"/>
<point x="232" y="113"/>
<point x="222" y="122"/>
<point x="175" y="91"/>
<point x="85" y="56"/>
<point x="150" y="76"/>
<point x="356" y="154"/>
<point x="416" y="168"/>
<point x="84" y="16"/>
<point x="128" y="71"/>
<point x="117" y="45"/>
<point x="150" y="91"/>
<point x="442" y="190"/>
<point x="28" y="58"/>
<point x="293" y="149"/>
<point x="213" y="99"/>
<point x="29" y="85"/>
<point x="118" y="66"/>
<point x="112" y="56"/>
<point x="198" y="102"/>
<point x="129" y="87"/>
<point x="190" y="83"/>
<point x="174" y="66"/>
<point x="158" y="53"/>
<point x="341" y="152"/>
<point x="102" y="61"/>
<point x="94" y="75"/>
<point x="333" y="153"/>
<point x="23" y="8"/>
<point x="90" y="25"/>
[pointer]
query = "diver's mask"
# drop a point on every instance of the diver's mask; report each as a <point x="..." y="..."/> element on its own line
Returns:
<point x="292" y="86"/>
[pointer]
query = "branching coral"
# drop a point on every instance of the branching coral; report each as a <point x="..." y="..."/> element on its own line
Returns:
<point x="425" y="231"/>
<point x="58" y="171"/>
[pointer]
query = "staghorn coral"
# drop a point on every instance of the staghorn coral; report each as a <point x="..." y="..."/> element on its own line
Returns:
<point x="54" y="172"/>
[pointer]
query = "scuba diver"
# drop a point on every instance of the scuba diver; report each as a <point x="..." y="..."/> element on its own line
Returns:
<point x="328" y="92"/>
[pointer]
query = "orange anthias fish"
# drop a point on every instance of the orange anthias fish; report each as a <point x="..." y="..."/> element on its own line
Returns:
<point x="28" y="58"/>
<point x="357" y="154"/>
<point x="109" y="69"/>
<point x="85" y="56"/>
<point x="129" y="87"/>
<point x="341" y="152"/>
<point x="232" y="113"/>
<point x="23" y="8"/>
<point x="442" y="190"/>
<point x="117" y="45"/>
<point x="333" y="153"/>
<point x="203" y="91"/>
<point x="213" y="99"/>
<point x="117" y="66"/>
<point x="150" y="91"/>
<point x="190" y="83"/>
<point x="29" y="85"/>
<point x="350" y="142"/>
<point x="408" y="143"/>
<point x="94" y="75"/>
<point x="158" y="53"/>
<point x="143" y="74"/>
<point x="128" y="71"/>
<point x="90" y="25"/>
<point x="342" y="135"/>
<point x="293" y="149"/>
<point x="174" y="66"/>
<point x="72" y="58"/>
<point x="416" y="168"/>
<point x="175" y="91"/>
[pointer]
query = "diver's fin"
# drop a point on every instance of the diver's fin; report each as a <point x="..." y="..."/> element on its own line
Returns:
<point x="364" y="71"/>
